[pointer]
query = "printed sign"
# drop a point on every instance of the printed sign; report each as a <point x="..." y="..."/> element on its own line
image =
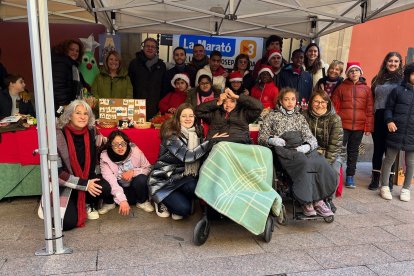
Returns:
<point x="113" y="110"/>
<point x="108" y="43"/>
<point x="230" y="47"/>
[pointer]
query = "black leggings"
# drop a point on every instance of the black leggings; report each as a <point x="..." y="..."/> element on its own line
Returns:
<point x="137" y="192"/>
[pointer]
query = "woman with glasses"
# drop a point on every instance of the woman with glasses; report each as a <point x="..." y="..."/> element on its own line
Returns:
<point x="354" y="104"/>
<point x="204" y="91"/>
<point x="126" y="169"/>
<point x="326" y="126"/>
<point x="389" y="77"/>
<point x="330" y="82"/>
<point x="173" y="179"/>
<point x="77" y="145"/>
<point x="242" y="65"/>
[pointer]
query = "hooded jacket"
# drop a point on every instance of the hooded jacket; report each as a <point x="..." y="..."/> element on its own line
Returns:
<point x="104" y="86"/>
<point x="355" y="105"/>
<point x="327" y="129"/>
<point x="219" y="82"/>
<point x="267" y="96"/>
<point x="302" y="82"/>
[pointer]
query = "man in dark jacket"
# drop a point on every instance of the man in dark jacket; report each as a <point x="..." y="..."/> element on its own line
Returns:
<point x="3" y="74"/>
<point x="293" y="75"/>
<point x="10" y="102"/>
<point x="147" y="72"/>
<point x="179" y="56"/>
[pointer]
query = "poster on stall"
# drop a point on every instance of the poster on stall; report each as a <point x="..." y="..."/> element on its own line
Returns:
<point x="108" y="43"/>
<point x="230" y="47"/>
<point x="113" y="110"/>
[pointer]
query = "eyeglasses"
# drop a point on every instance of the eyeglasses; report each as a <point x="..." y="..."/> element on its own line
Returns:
<point x="119" y="145"/>
<point x="320" y="102"/>
<point x="204" y="83"/>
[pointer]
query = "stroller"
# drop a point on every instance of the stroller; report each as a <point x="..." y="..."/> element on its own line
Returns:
<point x="236" y="181"/>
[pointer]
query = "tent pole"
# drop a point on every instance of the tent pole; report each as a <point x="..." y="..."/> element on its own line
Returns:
<point x="41" y="127"/>
<point x="51" y="125"/>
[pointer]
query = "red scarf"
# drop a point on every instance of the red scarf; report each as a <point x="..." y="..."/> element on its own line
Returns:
<point x="77" y="170"/>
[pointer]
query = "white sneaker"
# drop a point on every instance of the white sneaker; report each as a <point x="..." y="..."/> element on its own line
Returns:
<point x="162" y="210"/>
<point x="92" y="213"/>
<point x="106" y="208"/>
<point x="385" y="193"/>
<point x="176" y="217"/>
<point x="146" y="206"/>
<point x="405" y="195"/>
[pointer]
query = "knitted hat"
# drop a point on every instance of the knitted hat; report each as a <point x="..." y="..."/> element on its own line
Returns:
<point x="182" y="76"/>
<point x="235" y="76"/>
<point x="266" y="68"/>
<point x="272" y="53"/>
<point x="353" y="64"/>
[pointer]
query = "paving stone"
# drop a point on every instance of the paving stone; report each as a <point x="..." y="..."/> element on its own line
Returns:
<point x="19" y="248"/>
<point x="404" y="216"/>
<point x="355" y="255"/>
<point x="400" y="250"/>
<point x="403" y="231"/>
<point x="397" y="269"/>
<point x="296" y="241"/>
<point x="359" y="236"/>
<point x="362" y="220"/>
<point x="128" y="271"/>
<point x="10" y="231"/>
<point x="346" y="271"/>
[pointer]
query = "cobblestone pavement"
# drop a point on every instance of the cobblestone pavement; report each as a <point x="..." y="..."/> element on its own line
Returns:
<point x="370" y="236"/>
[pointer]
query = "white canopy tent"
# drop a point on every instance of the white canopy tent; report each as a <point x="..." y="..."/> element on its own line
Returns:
<point x="290" y="18"/>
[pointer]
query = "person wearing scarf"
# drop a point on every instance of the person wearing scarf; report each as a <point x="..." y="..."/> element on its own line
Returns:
<point x="126" y="169"/>
<point x="204" y="91"/>
<point x="388" y="78"/>
<point x="77" y="144"/>
<point x="215" y="70"/>
<point x="173" y="179"/>
<point x="330" y="82"/>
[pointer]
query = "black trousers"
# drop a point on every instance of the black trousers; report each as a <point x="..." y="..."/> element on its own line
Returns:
<point x="71" y="215"/>
<point x="137" y="192"/>
<point x="379" y="137"/>
<point x="352" y="140"/>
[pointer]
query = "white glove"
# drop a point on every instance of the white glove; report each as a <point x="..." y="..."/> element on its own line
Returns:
<point x="304" y="148"/>
<point x="276" y="141"/>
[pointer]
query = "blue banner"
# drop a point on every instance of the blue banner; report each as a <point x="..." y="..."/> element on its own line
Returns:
<point x="227" y="46"/>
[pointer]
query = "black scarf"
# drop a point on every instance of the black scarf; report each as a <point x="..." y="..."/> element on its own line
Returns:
<point x="116" y="157"/>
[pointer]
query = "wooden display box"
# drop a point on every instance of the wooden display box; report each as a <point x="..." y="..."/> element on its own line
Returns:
<point x="114" y="110"/>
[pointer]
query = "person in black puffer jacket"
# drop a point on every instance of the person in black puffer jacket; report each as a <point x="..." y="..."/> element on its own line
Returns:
<point x="67" y="81"/>
<point x="399" y="115"/>
<point x="146" y="72"/>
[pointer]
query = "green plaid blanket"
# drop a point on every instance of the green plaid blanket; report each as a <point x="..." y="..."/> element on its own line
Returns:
<point x="236" y="180"/>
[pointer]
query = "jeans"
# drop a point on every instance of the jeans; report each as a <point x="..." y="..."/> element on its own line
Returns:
<point x="179" y="202"/>
<point x="389" y="160"/>
<point x="352" y="140"/>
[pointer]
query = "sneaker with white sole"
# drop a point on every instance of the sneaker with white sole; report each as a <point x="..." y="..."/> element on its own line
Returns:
<point x="106" y="208"/>
<point x="176" y="217"/>
<point x="405" y="195"/>
<point x="385" y="193"/>
<point x="162" y="210"/>
<point x="146" y="206"/>
<point x="92" y="213"/>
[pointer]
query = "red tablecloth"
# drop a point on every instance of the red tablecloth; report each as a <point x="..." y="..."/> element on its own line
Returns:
<point x="18" y="147"/>
<point x="147" y="140"/>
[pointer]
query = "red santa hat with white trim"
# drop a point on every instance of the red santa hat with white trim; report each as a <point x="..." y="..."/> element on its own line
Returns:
<point x="353" y="64"/>
<point x="235" y="76"/>
<point x="266" y="68"/>
<point x="181" y="76"/>
<point x="272" y="53"/>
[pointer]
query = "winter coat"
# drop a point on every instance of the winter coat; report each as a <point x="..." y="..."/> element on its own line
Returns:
<point x="3" y="75"/>
<point x="219" y="82"/>
<point x="354" y="104"/>
<point x="190" y="71"/>
<point x="104" y="86"/>
<point x="6" y="105"/>
<point x="172" y="99"/>
<point x="267" y="96"/>
<point x="321" y="73"/>
<point x="328" y="131"/>
<point x="329" y="88"/>
<point x="235" y="123"/>
<point x="169" y="169"/>
<point x="277" y="122"/>
<point x="147" y="82"/>
<point x="301" y="82"/>
<point x="65" y="88"/>
<point x="193" y="96"/>
<point x="110" y="170"/>
<point x="400" y="110"/>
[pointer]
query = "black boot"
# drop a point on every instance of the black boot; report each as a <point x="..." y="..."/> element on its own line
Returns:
<point x="391" y="181"/>
<point x="375" y="177"/>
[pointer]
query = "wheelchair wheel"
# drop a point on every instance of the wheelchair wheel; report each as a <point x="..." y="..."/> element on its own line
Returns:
<point x="329" y="219"/>
<point x="201" y="232"/>
<point x="267" y="234"/>
<point x="282" y="218"/>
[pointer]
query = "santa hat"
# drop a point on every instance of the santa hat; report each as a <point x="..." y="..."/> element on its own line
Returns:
<point x="182" y="76"/>
<point x="235" y="76"/>
<point x="272" y="53"/>
<point x="266" y="68"/>
<point x="353" y="64"/>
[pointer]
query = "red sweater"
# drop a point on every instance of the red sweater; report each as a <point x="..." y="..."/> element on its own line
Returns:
<point x="172" y="99"/>
<point x="267" y="96"/>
